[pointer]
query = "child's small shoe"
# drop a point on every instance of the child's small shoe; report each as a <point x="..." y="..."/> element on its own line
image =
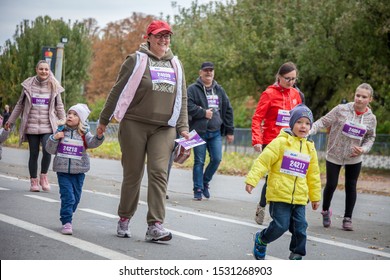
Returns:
<point x="259" y="249"/>
<point x="67" y="229"/>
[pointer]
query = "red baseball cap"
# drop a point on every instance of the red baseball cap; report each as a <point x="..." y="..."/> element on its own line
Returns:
<point x="157" y="26"/>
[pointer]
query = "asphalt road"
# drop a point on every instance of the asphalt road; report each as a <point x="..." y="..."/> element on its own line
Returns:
<point x="220" y="228"/>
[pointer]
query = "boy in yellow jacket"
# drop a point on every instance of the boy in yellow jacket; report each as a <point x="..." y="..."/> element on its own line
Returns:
<point x="293" y="179"/>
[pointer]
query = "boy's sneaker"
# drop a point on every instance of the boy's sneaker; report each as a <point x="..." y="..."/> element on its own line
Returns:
<point x="260" y="214"/>
<point x="198" y="194"/>
<point x="122" y="229"/>
<point x="259" y="248"/>
<point x="157" y="232"/>
<point x="347" y="224"/>
<point x="326" y="221"/>
<point x="294" y="256"/>
<point x="67" y="229"/>
<point x="206" y="192"/>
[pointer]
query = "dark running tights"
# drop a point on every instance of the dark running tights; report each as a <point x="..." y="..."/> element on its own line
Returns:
<point x="352" y="172"/>
<point x="34" y="140"/>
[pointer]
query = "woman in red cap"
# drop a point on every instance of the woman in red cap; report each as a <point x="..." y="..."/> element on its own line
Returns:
<point x="149" y="99"/>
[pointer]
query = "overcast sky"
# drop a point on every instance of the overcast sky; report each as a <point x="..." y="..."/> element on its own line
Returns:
<point x="12" y="12"/>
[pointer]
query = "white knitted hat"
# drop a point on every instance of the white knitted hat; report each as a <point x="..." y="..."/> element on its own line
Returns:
<point x="82" y="111"/>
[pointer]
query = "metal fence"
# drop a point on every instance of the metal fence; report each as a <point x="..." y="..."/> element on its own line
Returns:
<point x="243" y="140"/>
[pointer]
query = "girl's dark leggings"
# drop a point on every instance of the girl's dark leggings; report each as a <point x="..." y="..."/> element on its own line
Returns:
<point x="352" y="172"/>
<point x="34" y="140"/>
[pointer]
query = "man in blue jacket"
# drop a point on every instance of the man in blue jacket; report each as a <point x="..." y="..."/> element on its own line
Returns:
<point x="211" y="115"/>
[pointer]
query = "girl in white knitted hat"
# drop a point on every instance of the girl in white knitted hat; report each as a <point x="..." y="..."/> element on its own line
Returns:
<point x="69" y="144"/>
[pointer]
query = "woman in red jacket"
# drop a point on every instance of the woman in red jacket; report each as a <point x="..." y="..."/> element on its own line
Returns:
<point x="272" y="114"/>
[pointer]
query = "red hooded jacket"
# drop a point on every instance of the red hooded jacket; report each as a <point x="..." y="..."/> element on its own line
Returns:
<point x="273" y="99"/>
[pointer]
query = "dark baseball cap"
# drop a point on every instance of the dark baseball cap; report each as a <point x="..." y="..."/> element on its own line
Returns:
<point x="207" y="65"/>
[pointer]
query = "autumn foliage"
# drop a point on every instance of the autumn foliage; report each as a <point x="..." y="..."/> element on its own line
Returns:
<point x="110" y="48"/>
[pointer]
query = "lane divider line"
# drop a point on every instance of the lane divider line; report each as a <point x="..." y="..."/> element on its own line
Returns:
<point x="42" y="198"/>
<point x="69" y="240"/>
<point x="311" y="238"/>
<point x="99" y="213"/>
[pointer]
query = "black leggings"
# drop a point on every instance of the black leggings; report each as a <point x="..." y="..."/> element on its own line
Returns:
<point x="352" y="172"/>
<point x="33" y="142"/>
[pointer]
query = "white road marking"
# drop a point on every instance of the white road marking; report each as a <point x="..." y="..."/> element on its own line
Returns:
<point x="237" y="222"/>
<point x="101" y="193"/>
<point x="41" y="198"/>
<point x="99" y="213"/>
<point x="312" y="238"/>
<point x="69" y="240"/>
<point x="4" y="189"/>
<point x="185" y="235"/>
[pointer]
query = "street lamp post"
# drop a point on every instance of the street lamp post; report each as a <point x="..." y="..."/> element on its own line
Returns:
<point x="59" y="61"/>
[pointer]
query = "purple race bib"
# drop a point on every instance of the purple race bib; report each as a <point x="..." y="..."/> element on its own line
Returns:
<point x="70" y="148"/>
<point x="354" y="130"/>
<point x="213" y="101"/>
<point x="163" y="75"/>
<point x="40" y="99"/>
<point x="283" y="118"/>
<point x="295" y="164"/>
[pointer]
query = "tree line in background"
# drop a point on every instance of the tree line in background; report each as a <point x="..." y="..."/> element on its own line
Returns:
<point x="336" y="45"/>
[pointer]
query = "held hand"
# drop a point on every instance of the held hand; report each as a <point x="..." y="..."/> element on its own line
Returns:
<point x="258" y="148"/>
<point x="59" y="135"/>
<point x="7" y="126"/>
<point x="315" y="205"/>
<point x="249" y="188"/>
<point x="101" y="128"/>
<point x="99" y="132"/>
<point x="185" y="134"/>
<point x="209" y="114"/>
<point x="229" y="138"/>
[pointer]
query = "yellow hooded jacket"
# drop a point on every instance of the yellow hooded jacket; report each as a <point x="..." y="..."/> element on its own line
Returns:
<point x="283" y="187"/>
